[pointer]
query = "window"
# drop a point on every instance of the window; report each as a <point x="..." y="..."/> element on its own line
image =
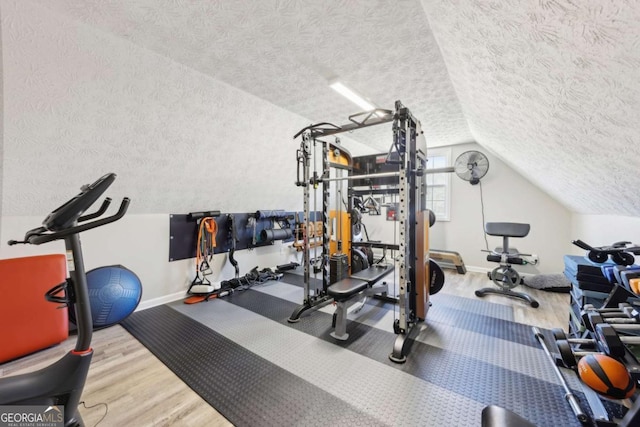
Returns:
<point x="439" y="184"/>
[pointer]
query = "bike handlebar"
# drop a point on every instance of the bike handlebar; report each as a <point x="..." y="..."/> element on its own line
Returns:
<point x="41" y="235"/>
<point x="99" y="212"/>
<point x="38" y="239"/>
<point x="65" y="220"/>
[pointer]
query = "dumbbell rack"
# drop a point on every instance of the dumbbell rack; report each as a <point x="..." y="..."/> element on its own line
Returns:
<point x="589" y="286"/>
<point x="600" y="415"/>
<point x="579" y="298"/>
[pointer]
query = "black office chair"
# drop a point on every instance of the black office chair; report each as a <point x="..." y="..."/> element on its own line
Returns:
<point x="504" y="276"/>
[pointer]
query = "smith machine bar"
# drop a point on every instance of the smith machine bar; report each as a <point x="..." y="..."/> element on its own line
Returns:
<point x="408" y="150"/>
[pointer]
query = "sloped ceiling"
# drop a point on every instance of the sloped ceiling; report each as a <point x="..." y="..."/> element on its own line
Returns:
<point x="286" y="52"/>
<point x="550" y="86"/>
<point x="553" y="87"/>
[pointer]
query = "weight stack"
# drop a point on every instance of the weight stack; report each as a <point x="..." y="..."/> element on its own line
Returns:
<point x="338" y="267"/>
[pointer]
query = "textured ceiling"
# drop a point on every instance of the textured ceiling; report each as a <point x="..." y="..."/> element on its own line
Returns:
<point x="286" y="52"/>
<point x="550" y="86"/>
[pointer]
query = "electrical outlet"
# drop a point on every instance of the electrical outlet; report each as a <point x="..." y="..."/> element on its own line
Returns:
<point x="534" y="259"/>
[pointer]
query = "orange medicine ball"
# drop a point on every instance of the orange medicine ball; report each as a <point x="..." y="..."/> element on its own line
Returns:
<point x="606" y="375"/>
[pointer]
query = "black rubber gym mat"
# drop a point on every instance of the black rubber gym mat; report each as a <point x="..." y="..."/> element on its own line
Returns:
<point x="298" y="280"/>
<point x="451" y="301"/>
<point x="542" y="402"/>
<point x="250" y="390"/>
<point x="243" y="387"/>
<point x="487" y="325"/>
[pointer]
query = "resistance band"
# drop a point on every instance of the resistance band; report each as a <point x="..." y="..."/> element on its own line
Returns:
<point x="205" y="246"/>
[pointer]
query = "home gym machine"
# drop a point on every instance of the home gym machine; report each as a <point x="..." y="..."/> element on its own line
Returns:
<point x="62" y="382"/>
<point x="340" y="280"/>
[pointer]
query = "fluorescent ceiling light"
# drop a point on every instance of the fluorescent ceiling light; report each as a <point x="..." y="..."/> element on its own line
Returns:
<point x="352" y="96"/>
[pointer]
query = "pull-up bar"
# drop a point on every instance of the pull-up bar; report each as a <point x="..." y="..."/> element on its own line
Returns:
<point x="448" y="169"/>
<point x="387" y="174"/>
<point x="372" y="175"/>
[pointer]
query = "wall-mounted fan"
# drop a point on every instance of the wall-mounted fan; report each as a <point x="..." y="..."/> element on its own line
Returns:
<point x="471" y="166"/>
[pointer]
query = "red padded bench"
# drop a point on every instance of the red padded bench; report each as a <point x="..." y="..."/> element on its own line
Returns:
<point x="28" y="322"/>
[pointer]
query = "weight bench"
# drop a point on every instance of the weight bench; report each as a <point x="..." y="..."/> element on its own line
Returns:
<point x="504" y="276"/>
<point x="448" y="259"/>
<point x="349" y="290"/>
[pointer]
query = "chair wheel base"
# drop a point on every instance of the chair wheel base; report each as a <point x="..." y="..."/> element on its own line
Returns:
<point x="507" y="292"/>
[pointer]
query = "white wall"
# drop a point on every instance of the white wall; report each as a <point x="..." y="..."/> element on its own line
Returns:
<point x="79" y="103"/>
<point x="603" y="230"/>
<point x="508" y="197"/>
<point x="140" y="243"/>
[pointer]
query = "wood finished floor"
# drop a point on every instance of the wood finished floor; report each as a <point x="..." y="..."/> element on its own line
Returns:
<point x="141" y="391"/>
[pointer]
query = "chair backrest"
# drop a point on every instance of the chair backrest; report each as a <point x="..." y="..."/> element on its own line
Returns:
<point x="507" y="229"/>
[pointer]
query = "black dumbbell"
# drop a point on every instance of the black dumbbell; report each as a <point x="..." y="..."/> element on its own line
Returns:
<point x="625" y="311"/>
<point x="615" y="316"/>
<point x="607" y="342"/>
<point x="570" y="356"/>
<point x="560" y="335"/>
<point x="590" y="319"/>
<point x="611" y="342"/>
<point x="621" y="307"/>
<point x="612" y="346"/>
<point x="606" y="339"/>
<point x="626" y="314"/>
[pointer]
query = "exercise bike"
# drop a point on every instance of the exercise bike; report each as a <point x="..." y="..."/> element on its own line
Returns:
<point x="62" y="382"/>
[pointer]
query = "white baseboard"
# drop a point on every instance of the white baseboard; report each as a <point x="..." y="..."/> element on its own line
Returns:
<point x="160" y="300"/>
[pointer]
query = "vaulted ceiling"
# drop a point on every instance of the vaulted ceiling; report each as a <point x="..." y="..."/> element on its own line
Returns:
<point x="549" y="86"/>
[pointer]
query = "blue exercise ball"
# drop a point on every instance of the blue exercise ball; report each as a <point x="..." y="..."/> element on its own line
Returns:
<point x="114" y="293"/>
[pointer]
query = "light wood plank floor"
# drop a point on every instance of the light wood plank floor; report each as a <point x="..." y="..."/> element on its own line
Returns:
<point x="552" y="313"/>
<point x="138" y="389"/>
<point x="141" y="391"/>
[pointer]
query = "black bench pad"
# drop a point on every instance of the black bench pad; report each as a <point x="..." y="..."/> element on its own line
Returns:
<point x="510" y="260"/>
<point x="374" y="273"/>
<point x="346" y="288"/>
<point x="507" y="229"/>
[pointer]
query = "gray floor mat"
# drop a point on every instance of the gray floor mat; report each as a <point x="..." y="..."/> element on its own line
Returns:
<point x="245" y="388"/>
<point x="470" y="377"/>
<point x="244" y="346"/>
